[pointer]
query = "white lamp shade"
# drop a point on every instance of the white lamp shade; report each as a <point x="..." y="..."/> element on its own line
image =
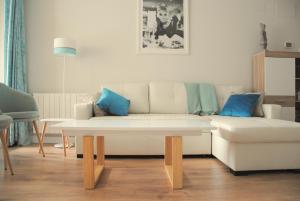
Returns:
<point x="64" y="47"/>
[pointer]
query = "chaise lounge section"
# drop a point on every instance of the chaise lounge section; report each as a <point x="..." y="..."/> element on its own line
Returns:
<point x="251" y="144"/>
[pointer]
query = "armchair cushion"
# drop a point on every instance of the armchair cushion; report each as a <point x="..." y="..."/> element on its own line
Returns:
<point x="30" y="115"/>
<point x="15" y="101"/>
<point x="5" y="121"/>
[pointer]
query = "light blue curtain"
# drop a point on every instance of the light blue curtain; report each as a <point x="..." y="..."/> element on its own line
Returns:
<point x="15" y="70"/>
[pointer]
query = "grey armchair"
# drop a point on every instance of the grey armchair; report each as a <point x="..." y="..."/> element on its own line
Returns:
<point x="5" y="122"/>
<point x="21" y="107"/>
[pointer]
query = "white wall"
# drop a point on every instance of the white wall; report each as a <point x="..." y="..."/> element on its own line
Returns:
<point x="224" y="34"/>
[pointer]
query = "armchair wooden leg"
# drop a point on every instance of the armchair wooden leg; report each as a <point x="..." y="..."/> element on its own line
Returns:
<point x="43" y="135"/>
<point x="5" y="143"/>
<point x="38" y="135"/>
<point x="5" y="152"/>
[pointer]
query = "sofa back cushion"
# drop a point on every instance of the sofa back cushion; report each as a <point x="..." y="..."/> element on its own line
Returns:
<point x="168" y="98"/>
<point x="137" y="93"/>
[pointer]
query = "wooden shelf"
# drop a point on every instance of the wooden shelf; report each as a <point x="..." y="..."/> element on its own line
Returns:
<point x="279" y="54"/>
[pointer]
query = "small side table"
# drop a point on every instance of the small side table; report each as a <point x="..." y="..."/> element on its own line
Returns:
<point x="65" y="139"/>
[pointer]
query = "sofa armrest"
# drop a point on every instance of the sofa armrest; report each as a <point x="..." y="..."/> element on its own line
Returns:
<point x="272" y="111"/>
<point x="83" y="111"/>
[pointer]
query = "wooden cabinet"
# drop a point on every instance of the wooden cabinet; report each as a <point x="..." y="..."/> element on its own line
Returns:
<point x="279" y="76"/>
<point x="298" y="90"/>
<point x="276" y="75"/>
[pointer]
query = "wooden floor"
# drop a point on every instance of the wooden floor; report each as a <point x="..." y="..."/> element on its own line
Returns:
<point x="57" y="178"/>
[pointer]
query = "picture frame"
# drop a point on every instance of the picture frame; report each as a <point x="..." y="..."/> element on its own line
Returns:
<point x="163" y="27"/>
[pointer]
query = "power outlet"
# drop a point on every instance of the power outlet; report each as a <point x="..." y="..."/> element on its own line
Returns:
<point x="288" y="45"/>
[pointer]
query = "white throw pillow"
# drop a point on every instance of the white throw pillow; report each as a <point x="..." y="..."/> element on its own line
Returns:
<point x="97" y="111"/>
<point x="82" y="110"/>
<point x="258" y="112"/>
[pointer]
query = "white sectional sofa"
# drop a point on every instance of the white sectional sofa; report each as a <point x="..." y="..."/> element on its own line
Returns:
<point x="243" y="144"/>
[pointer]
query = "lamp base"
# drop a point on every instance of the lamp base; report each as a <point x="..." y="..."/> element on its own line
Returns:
<point x="61" y="146"/>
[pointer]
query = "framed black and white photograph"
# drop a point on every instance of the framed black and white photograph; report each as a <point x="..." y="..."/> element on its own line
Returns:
<point x="163" y="26"/>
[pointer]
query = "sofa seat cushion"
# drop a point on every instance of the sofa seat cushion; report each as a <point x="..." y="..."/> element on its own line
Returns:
<point x="256" y="129"/>
<point x="155" y="117"/>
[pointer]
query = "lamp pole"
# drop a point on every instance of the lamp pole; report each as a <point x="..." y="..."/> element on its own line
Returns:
<point x="64" y="47"/>
<point x="64" y="74"/>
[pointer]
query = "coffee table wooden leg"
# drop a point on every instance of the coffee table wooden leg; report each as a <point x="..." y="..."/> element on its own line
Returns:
<point x="168" y="150"/>
<point x="100" y="158"/>
<point x="88" y="162"/>
<point x="92" y="172"/>
<point x="100" y="150"/>
<point x="173" y="160"/>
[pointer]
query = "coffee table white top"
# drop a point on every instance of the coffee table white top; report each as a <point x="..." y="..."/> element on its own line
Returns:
<point x="55" y="120"/>
<point x="161" y="127"/>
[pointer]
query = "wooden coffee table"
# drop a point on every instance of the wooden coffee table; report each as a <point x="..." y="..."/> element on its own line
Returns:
<point x="172" y="130"/>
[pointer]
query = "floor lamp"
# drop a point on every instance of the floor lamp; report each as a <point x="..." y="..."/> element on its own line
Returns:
<point x="64" y="47"/>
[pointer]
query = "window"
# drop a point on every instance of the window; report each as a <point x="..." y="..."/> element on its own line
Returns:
<point x="1" y="40"/>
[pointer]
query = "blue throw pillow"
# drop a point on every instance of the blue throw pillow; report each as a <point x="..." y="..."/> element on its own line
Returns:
<point x="240" y="105"/>
<point x="113" y="103"/>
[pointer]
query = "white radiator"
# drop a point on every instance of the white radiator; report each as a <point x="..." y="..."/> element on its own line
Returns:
<point x="57" y="105"/>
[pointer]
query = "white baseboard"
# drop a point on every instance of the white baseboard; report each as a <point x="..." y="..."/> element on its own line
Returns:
<point x="52" y="139"/>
